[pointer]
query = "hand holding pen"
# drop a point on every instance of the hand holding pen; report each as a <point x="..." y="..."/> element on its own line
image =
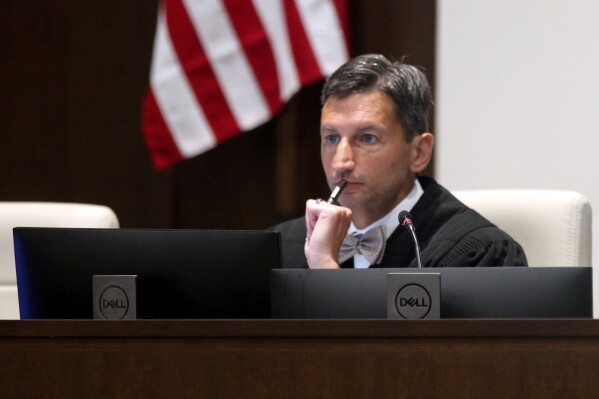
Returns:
<point x="326" y="227"/>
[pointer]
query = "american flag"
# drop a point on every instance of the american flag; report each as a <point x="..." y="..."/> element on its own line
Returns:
<point x="222" y="67"/>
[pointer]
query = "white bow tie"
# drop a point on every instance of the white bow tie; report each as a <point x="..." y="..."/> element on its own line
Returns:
<point x="370" y="244"/>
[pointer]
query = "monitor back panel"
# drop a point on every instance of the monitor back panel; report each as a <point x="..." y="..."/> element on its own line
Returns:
<point x="503" y="292"/>
<point x="181" y="273"/>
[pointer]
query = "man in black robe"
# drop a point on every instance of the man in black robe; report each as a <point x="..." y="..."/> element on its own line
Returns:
<point x="374" y="143"/>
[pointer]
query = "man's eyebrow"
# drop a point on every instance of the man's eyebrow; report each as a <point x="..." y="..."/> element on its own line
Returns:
<point x="327" y="129"/>
<point x="368" y="127"/>
<point x="360" y="129"/>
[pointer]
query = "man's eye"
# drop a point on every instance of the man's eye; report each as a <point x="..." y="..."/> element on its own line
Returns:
<point x="331" y="139"/>
<point x="368" y="138"/>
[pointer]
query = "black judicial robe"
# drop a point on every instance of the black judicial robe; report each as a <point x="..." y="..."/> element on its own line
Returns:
<point x="449" y="233"/>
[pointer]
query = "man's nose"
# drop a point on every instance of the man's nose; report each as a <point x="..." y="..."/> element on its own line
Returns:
<point x="344" y="156"/>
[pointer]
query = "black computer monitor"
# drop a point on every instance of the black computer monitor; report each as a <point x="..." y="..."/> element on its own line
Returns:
<point x="466" y="292"/>
<point x="180" y="273"/>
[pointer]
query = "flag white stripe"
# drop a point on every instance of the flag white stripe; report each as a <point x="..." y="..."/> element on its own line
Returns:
<point x="232" y="69"/>
<point x="176" y="100"/>
<point x="324" y="32"/>
<point x="272" y="15"/>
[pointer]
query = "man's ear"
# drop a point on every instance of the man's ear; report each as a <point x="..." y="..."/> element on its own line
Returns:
<point x="422" y="151"/>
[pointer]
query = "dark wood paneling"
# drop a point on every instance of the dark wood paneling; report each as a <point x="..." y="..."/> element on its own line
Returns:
<point x="300" y="359"/>
<point x="72" y="85"/>
<point x="71" y="81"/>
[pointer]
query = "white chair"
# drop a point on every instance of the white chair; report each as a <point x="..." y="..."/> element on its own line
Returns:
<point x="554" y="227"/>
<point x="39" y="214"/>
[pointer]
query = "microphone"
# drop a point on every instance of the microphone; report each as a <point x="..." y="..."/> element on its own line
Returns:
<point x="405" y="220"/>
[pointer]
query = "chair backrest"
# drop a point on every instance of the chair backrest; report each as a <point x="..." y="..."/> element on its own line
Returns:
<point x="39" y="214"/>
<point x="554" y="227"/>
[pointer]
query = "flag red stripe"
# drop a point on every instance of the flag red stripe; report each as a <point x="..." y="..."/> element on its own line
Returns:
<point x="257" y="49"/>
<point x="305" y="60"/>
<point x="157" y="136"/>
<point x="199" y="72"/>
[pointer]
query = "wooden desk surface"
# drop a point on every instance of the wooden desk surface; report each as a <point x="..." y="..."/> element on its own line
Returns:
<point x="299" y="359"/>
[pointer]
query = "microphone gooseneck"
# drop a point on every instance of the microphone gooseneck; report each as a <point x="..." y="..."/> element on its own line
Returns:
<point x="405" y="220"/>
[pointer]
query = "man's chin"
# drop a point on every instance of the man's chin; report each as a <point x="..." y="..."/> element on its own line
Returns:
<point x="351" y="201"/>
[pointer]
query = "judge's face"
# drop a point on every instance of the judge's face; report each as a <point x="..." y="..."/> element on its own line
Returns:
<point x="363" y="142"/>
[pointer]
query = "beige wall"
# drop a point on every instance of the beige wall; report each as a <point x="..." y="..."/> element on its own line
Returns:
<point x="518" y="97"/>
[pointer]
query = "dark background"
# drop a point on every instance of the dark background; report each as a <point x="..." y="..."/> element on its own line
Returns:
<point x="72" y="77"/>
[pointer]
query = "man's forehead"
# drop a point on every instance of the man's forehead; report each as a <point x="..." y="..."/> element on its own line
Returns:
<point x="365" y="110"/>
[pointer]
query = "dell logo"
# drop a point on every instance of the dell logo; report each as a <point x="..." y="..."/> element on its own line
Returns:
<point x="115" y="296"/>
<point x="413" y="301"/>
<point x="114" y="303"/>
<point x="417" y="302"/>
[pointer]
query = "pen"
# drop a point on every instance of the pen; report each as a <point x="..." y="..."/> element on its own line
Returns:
<point x="337" y="192"/>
